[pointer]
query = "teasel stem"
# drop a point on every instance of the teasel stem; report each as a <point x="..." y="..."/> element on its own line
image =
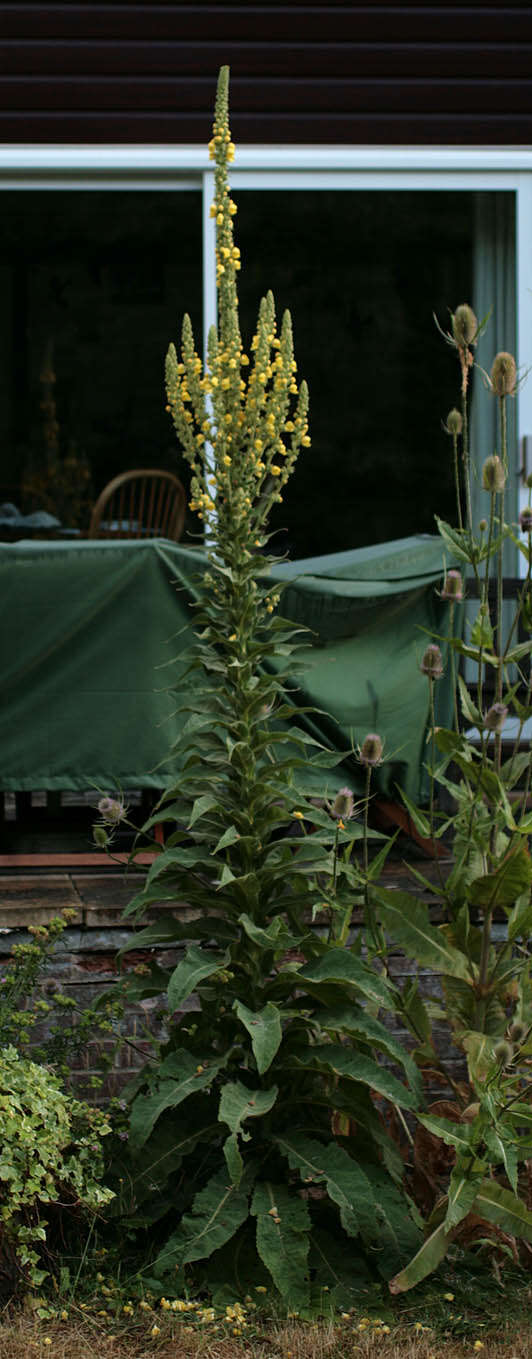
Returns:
<point x="484" y="599"/>
<point x="368" y="908"/>
<point x="457" y="482"/>
<point x="465" y="448"/>
<point x="432" y="760"/>
<point x="453" y="671"/>
<point x="500" y="580"/>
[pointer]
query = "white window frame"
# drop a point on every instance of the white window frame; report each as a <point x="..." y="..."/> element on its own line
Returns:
<point x="174" y="168"/>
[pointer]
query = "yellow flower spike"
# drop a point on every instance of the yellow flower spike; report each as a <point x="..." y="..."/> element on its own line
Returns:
<point x="155" y="1330"/>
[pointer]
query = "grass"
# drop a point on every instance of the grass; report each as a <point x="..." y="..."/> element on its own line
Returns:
<point x="466" y="1312"/>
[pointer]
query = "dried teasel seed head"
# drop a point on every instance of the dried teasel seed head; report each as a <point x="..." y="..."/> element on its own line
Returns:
<point x="525" y="520"/>
<point x="493" y="474"/>
<point x="504" y="1052"/>
<point x="503" y="374"/>
<point x="454" y="422"/>
<point x="517" y="1031"/>
<point x="343" y="804"/>
<point x="370" y="752"/>
<point x="431" y="662"/>
<point x="464" y="325"/>
<point x="453" y="586"/>
<point x="495" y="717"/>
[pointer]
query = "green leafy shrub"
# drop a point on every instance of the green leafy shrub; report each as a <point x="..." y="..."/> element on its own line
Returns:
<point x="51" y="1162"/>
<point x="486" y="1119"/>
<point x="257" y="1150"/>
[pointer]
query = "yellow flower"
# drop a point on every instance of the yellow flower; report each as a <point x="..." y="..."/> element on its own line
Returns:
<point x="449" y="1297"/>
<point x="64" y="1315"/>
<point x="155" y="1330"/>
<point x="233" y="637"/>
<point x="299" y="816"/>
<point x="259" y="1288"/>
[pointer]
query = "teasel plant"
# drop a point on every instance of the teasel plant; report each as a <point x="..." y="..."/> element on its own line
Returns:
<point x="486" y="982"/>
<point x="257" y="1155"/>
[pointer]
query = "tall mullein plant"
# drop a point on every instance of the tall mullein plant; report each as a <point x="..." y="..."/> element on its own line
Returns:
<point x="232" y="1124"/>
<point x="487" y="985"/>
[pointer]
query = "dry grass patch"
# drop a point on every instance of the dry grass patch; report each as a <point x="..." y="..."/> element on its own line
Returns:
<point x="82" y="1336"/>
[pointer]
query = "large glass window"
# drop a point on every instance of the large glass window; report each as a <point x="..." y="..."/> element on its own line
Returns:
<point x="93" y="286"/>
<point x="362" y="273"/>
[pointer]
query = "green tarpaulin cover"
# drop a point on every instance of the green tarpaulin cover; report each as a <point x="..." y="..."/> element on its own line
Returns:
<point x="90" y="631"/>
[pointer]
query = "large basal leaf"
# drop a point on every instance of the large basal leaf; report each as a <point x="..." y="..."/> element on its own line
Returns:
<point x="164" y="1153"/>
<point x="502" y="887"/>
<point x="193" y="969"/>
<point x="353" y="1020"/>
<point x="341" y="967"/>
<point x="424" y="1262"/>
<point x="180" y="1076"/>
<point x="216" y="1214"/>
<point x="283" y="1227"/>
<point x="460" y="1199"/>
<point x="264" y="1028"/>
<point x="346" y="1182"/>
<point x="504" y="1209"/>
<point x="238" y="1103"/>
<point x="277" y="936"/>
<point x="353" y="1066"/>
<point x="407" y="920"/>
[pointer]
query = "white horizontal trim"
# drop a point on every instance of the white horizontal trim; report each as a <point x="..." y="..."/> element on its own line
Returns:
<point x="167" y="160"/>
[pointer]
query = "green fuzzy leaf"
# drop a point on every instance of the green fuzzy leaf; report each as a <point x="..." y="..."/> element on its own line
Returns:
<point x="482" y="631"/>
<point x="283" y="1241"/>
<point x="229" y="837"/>
<point x="503" y="1153"/>
<point x="179" y="1078"/>
<point x="502" y="887"/>
<point x="276" y="936"/>
<point x="504" y="1209"/>
<point x="407" y="920"/>
<point x="421" y="822"/>
<point x="344" y="968"/>
<point x="352" y="1066"/>
<point x="469" y="709"/>
<point x="520" y="918"/>
<point x="216" y="1214"/>
<point x="264" y="1028"/>
<point x="233" y="1159"/>
<point x="238" y="1102"/>
<point x="203" y="804"/>
<point x="193" y="969"/>
<point x="424" y="1262"/>
<point x="354" y="1020"/>
<point x="347" y="1185"/>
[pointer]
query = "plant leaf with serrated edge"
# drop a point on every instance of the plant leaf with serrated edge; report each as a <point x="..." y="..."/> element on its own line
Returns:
<point x="229" y="837"/>
<point x="238" y="1102"/>
<point x="502" y="887"/>
<point x="353" y="1066"/>
<point x="469" y="709"/>
<point x="175" y="931"/>
<point x="193" y="969"/>
<point x="283" y="1245"/>
<point x="504" y="1209"/>
<point x="407" y="919"/>
<point x="264" y="1028"/>
<point x="424" y="1262"/>
<point x="354" y="1020"/>
<point x="453" y="1134"/>
<point x="216" y="1214"/>
<point x="339" y="965"/>
<point x="179" y="1078"/>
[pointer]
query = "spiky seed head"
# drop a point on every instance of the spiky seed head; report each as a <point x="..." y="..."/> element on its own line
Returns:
<point x="517" y="1031"/>
<point x="493" y="474"/>
<point x="483" y="524"/>
<point x="454" y="422"/>
<point x="370" y="752"/>
<point x="453" y="586"/>
<point x="495" y="717"/>
<point x="112" y="810"/>
<point x="464" y="325"/>
<point x="431" y="662"/>
<point x="343" y="804"/>
<point x="504" y="1052"/>
<point x="503" y="374"/>
<point x="525" y="520"/>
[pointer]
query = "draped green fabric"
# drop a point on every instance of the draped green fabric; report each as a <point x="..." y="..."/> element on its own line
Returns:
<point x="94" y="642"/>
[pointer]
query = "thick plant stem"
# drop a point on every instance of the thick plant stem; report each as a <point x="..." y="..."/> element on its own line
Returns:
<point x="465" y="451"/>
<point x="457" y="482"/>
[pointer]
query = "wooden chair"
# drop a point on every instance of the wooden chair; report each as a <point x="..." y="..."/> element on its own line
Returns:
<point x="144" y="503"/>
